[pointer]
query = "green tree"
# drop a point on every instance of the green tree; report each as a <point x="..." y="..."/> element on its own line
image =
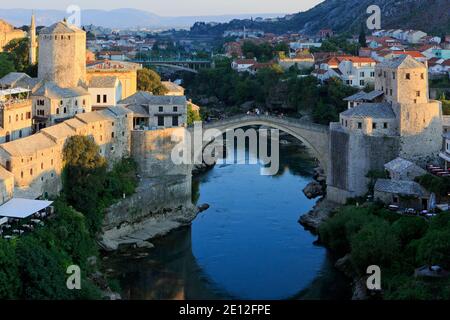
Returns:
<point x="42" y="271"/>
<point x="149" y="80"/>
<point x="374" y="244"/>
<point x="19" y="52"/>
<point x="6" y="64"/>
<point x="9" y="271"/>
<point x="192" y="115"/>
<point x="434" y="248"/>
<point x="85" y="176"/>
<point x="408" y="229"/>
<point x="362" y="37"/>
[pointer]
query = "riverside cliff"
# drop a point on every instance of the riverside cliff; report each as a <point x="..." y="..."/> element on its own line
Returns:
<point x="162" y="201"/>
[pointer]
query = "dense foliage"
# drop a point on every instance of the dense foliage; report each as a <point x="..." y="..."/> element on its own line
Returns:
<point x="271" y="88"/>
<point x="398" y="244"/>
<point x="15" y="58"/>
<point x="149" y="80"/>
<point x="88" y="186"/>
<point x="439" y="185"/>
<point x="34" y="265"/>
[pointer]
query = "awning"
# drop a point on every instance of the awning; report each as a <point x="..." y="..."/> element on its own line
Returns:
<point x="8" y="92"/>
<point x="22" y="208"/>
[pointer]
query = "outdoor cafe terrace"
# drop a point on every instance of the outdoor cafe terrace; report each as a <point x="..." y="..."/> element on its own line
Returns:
<point x="19" y="216"/>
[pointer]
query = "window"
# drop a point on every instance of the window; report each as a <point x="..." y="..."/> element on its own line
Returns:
<point x="361" y="83"/>
<point x="372" y="74"/>
<point x="9" y="119"/>
<point x="418" y="93"/>
<point x="101" y="138"/>
<point x="65" y="110"/>
<point x="104" y="98"/>
<point x="408" y="76"/>
<point x="51" y="161"/>
<point x="76" y="103"/>
<point x="359" y="125"/>
<point x="17" y="117"/>
<point x="84" y="102"/>
<point x="160" y="121"/>
<point x="160" y="109"/>
<point x="112" y="123"/>
<point x="99" y="98"/>
<point x="385" y="125"/>
<point x="112" y="134"/>
<point x="395" y="199"/>
<point x="362" y="74"/>
<point x="42" y="165"/>
<point x="175" y="109"/>
<point x="21" y="116"/>
<point x="415" y="100"/>
<point x="60" y="102"/>
<point x="385" y="74"/>
<point x="123" y="133"/>
<point x="31" y="172"/>
<point x="390" y="92"/>
<point x="374" y="125"/>
<point x="57" y="110"/>
<point x="28" y="115"/>
<point x="346" y="123"/>
<point x="175" y="121"/>
<point x="393" y="75"/>
<point x="422" y="76"/>
<point x="20" y="133"/>
<point x="21" y="174"/>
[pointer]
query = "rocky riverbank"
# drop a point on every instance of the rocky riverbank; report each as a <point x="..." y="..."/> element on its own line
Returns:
<point x="318" y="214"/>
<point x="136" y="234"/>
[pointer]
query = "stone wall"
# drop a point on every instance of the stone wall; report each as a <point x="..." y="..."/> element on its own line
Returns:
<point x="352" y="156"/>
<point x="154" y="198"/>
<point x="152" y="150"/>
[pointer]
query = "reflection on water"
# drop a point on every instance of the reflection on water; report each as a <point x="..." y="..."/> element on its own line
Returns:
<point x="247" y="245"/>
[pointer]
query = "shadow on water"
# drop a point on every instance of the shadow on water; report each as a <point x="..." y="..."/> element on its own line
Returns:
<point x="248" y="245"/>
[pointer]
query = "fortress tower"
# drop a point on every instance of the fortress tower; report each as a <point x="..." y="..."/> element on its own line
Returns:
<point x="33" y="41"/>
<point x="62" y="55"/>
<point x="397" y="119"/>
<point x="404" y="82"/>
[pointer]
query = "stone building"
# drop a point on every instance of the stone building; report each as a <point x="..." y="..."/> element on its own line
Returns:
<point x="15" y="114"/>
<point x="62" y="55"/>
<point x="156" y="112"/>
<point x="36" y="161"/>
<point x="404" y="123"/>
<point x="126" y="72"/>
<point x="8" y="33"/>
<point x="105" y="91"/>
<point x="53" y="104"/>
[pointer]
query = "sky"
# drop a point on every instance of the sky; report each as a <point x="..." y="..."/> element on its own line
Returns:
<point x="173" y="7"/>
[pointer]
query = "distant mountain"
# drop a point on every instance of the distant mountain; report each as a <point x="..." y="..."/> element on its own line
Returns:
<point x="432" y="16"/>
<point x="120" y="18"/>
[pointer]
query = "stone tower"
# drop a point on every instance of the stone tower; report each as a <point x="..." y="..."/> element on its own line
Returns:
<point x="33" y="41"/>
<point x="62" y="55"/>
<point x="404" y="82"/>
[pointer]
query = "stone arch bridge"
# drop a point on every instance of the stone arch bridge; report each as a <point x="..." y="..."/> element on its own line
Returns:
<point x="314" y="136"/>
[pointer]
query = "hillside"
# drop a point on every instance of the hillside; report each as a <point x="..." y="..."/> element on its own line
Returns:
<point x="432" y="16"/>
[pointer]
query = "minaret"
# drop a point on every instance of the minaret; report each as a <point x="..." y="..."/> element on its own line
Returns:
<point x="33" y="42"/>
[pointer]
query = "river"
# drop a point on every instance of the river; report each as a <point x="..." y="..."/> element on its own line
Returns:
<point x="247" y="245"/>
